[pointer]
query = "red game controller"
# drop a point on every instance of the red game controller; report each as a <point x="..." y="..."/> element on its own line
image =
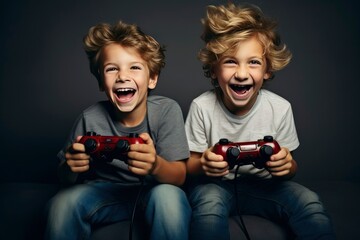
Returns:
<point x="244" y="153"/>
<point x="107" y="148"/>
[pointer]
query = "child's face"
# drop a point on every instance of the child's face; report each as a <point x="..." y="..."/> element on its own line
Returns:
<point x="126" y="77"/>
<point x="240" y="75"/>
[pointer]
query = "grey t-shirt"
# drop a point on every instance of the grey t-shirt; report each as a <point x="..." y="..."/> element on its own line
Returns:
<point x="164" y="122"/>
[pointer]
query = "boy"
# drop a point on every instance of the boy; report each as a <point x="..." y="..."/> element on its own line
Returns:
<point x="243" y="51"/>
<point x="126" y="63"/>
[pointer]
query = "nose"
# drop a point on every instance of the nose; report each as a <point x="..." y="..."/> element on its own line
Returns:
<point x="122" y="76"/>
<point x="241" y="73"/>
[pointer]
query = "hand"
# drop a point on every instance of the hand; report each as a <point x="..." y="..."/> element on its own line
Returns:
<point x="281" y="164"/>
<point x="142" y="158"/>
<point x="213" y="164"/>
<point x="76" y="157"/>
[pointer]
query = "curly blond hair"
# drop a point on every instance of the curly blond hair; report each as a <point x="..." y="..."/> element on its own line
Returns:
<point x="225" y="26"/>
<point x="127" y="35"/>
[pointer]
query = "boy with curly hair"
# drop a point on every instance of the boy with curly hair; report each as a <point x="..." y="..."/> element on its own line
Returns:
<point x="126" y="63"/>
<point x="242" y="51"/>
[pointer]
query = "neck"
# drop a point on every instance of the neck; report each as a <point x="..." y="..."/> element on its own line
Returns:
<point x="131" y="119"/>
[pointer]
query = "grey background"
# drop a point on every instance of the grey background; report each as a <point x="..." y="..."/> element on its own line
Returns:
<point x="45" y="81"/>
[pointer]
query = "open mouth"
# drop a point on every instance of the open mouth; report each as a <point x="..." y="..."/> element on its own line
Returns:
<point x="125" y="94"/>
<point x="240" y="89"/>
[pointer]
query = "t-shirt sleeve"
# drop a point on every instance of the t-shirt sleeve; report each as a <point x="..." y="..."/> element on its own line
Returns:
<point x="287" y="134"/>
<point x="171" y="142"/>
<point x="195" y="129"/>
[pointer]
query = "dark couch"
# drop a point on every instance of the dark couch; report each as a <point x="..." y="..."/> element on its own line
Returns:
<point x="22" y="205"/>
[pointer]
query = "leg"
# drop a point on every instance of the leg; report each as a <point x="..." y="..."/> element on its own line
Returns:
<point x="74" y="211"/>
<point x="211" y="204"/>
<point x="287" y="201"/>
<point x="167" y="212"/>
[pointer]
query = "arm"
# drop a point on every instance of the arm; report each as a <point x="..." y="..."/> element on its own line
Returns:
<point x="143" y="160"/>
<point x="282" y="165"/>
<point x="207" y="163"/>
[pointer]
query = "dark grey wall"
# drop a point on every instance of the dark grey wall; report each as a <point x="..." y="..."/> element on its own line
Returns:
<point x="45" y="81"/>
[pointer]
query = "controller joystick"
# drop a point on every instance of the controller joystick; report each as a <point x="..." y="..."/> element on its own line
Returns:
<point x="256" y="153"/>
<point x="107" y="148"/>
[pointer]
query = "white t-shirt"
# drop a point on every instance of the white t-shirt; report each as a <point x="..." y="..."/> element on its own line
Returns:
<point x="208" y="121"/>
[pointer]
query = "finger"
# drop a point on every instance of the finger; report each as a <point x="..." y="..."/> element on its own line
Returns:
<point x="138" y="171"/>
<point x="78" y="163"/>
<point x="78" y="138"/>
<point x="146" y="138"/>
<point x="80" y="169"/>
<point x="220" y="174"/>
<point x="280" y="173"/>
<point x="215" y="157"/>
<point x="77" y="156"/>
<point x="76" y="148"/>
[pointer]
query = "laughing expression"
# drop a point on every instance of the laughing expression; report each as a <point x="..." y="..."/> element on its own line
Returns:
<point x="126" y="78"/>
<point x="241" y="75"/>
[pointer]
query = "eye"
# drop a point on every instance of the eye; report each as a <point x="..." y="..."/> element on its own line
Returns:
<point x="135" y="67"/>
<point x="110" y="69"/>
<point x="229" y="61"/>
<point x="255" y="62"/>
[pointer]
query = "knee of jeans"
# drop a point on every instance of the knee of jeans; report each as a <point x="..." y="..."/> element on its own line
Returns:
<point x="168" y="199"/>
<point x="308" y="200"/>
<point x="210" y="199"/>
<point x="166" y="193"/>
<point x="65" y="201"/>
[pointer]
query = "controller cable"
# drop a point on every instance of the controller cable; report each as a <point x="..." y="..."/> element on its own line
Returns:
<point x="134" y="208"/>
<point x="242" y="223"/>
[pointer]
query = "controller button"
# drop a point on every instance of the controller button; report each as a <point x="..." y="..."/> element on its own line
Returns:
<point x="91" y="133"/>
<point x="248" y="147"/>
<point x="133" y="135"/>
<point x="223" y="141"/>
<point x="268" y="139"/>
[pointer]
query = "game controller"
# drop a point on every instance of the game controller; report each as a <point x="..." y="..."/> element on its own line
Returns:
<point x="244" y="153"/>
<point x="107" y="148"/>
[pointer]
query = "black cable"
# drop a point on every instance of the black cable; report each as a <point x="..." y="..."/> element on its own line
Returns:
<point x="242" y="225"/>
<point x="134" y="209"/>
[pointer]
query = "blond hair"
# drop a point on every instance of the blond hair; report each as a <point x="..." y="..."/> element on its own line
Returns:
<point x="226" y="26"/>
<point x="127" y="35"/>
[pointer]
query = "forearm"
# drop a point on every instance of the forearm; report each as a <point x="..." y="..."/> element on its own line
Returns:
<point x="169" y="172"/>
<point x="193" y="165"/>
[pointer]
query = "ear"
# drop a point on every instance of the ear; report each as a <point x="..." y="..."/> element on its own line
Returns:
<point x="153" y="81"/>
<point x="268" y="76"/>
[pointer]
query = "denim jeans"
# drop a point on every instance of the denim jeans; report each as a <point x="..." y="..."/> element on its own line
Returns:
<point x="280" y="201"/>
<point x="73" y="212"/>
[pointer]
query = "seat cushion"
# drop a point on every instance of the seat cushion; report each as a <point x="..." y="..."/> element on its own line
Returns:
<point x="257" y="227"/>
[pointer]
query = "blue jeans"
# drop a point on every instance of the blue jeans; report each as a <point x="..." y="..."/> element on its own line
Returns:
<point x="73" y="212"/>
<point x="213" y="201"/>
